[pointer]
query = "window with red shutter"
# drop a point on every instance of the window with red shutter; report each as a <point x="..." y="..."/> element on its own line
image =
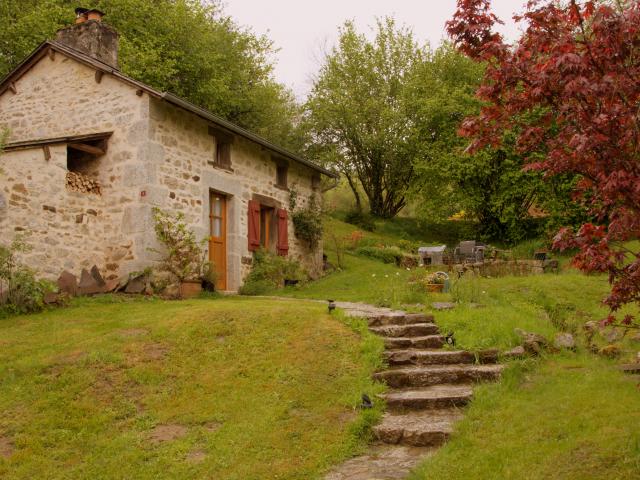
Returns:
<point x="283" y="232"/>
<point x="254" y="225"/>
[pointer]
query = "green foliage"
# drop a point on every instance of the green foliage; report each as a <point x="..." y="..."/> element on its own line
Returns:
<point x="4" y="133"/>
<point x="188" y="47"/>
<point x="307" y="221"/>
<point x="359" y="115"/>
<point x="525" y="250"/>
<point x="183" y="255"/>
<point x="435" y="278"/>
<point x="490" y="186"/>
<point x="20" y="291"/>
<point x="269" y="271"/>
<point x="385" y="254"/>
<point x="209" y="276"/>
<point x="466" y="289"/>
<point x="360" y="219"/>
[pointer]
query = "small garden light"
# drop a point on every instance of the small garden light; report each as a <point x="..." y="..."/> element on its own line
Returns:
<point x="332" y="305"/>
<point x="366" y="402"/>
<point x="449" y="339"/>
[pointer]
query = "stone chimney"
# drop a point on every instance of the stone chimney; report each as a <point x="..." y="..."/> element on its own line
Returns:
<point x="92" y="37"/>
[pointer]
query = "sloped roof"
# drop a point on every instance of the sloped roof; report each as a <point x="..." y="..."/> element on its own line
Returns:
<point x="45" y="47"/>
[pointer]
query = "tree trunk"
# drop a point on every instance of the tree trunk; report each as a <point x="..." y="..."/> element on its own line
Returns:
<point x="354" y="189"/>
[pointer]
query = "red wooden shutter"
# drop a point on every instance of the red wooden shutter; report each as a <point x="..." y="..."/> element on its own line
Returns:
<point x="283" y="233"/>
<point x="254" y="225"/>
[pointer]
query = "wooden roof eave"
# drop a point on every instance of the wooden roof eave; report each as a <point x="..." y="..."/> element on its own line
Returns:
<point x="26" y="144"/>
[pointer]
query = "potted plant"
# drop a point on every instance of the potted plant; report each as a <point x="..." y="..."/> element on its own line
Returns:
<point x="183" y="255"/>
<point x="434" y="282"/>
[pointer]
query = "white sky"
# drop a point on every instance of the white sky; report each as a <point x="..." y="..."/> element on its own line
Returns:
<point x="302" y="30"/>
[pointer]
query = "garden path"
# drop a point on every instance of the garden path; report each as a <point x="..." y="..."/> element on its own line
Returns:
<point x="428" y="385"/>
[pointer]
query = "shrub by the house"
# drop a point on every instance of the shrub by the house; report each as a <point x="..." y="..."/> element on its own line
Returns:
<point x="183" y="255"/>
<point x="20" y="290"/>
<point x="307" y="221"/>
<point x="270" y="271"/>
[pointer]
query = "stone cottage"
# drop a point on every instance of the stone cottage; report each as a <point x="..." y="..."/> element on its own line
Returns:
<point x="91" y="151"/>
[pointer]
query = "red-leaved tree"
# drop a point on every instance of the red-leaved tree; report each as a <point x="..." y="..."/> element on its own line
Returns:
<point x="570" y="89"/>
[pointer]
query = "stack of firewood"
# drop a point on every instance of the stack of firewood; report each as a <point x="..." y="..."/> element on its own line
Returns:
<point x="77" y="182"/>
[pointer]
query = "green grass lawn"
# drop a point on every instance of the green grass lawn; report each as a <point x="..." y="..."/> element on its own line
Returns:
<point x="562" y="416"/>
<point x="566" y="417"/>
<point x="254" y="388"/>
<point x="488" y="309"/>
<point x="231" y="388"/>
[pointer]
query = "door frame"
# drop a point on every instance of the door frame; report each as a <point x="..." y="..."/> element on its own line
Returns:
<point x="222" y="282"/>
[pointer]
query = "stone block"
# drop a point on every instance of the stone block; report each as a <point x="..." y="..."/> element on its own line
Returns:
<point x="97" y="276"/>
<point x="565" y="340"/>
<point x="68" y="283"/>
<point x="88" y="284"/>
<point x="137" y="284"/>
<point x="111" y="285"/>
<point x="517" y="352"/>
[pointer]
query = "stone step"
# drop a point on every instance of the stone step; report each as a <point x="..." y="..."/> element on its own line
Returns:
<point x="439" y="356"/>
<point x="433" y="397"/>
<point x="630" y="368"/>
<point x="381" y="462"/>
<point x="397" y="318"/>
<point x="412" y="330"/>
<point x="424" y="376"/>
<point x="428" y="341"/>
<point x="419" y="429"/>
<point x="428" y="357"/>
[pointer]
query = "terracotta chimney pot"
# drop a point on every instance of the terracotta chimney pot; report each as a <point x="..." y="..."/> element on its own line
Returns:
<point x="95" y="15"/>
<point x="81" y="15"/>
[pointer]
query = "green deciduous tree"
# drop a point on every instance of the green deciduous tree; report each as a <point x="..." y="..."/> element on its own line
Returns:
<point x="188" y="47"/>
<point x="490" y="185"/>
<point x="358" y="116"/>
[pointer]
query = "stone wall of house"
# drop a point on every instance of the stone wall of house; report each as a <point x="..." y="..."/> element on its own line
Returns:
<point x="186" y="178"/>
<point x="69" y="230"/>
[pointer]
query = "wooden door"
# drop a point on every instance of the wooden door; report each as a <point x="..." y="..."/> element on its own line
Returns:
<point x="218" y="238"/>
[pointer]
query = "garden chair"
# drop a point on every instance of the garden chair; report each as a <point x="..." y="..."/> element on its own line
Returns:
<point x="469" y="251"/>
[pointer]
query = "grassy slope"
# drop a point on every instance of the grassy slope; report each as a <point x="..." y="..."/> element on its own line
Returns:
<point x="489" y="308"/>
<point x="389" y="232"/>
<point x="570" y="416"/>
<point x="266" y="389"/>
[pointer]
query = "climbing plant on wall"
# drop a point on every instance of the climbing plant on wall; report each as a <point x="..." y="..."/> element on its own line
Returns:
<point x="307" y="221"/>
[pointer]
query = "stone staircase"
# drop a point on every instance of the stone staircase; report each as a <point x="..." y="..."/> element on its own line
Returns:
<point x="428" y="385"/>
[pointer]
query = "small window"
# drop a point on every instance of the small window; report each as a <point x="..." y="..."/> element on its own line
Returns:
<point x="315" y="181"/>
<point x="221" y="149"/>
<point x="281" y="176"/>
<point x="223" y="154"/>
